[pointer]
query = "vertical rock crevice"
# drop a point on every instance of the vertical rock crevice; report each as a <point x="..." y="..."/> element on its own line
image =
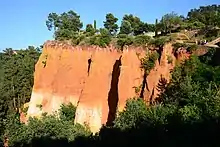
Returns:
<point x="144" y="84"/>
<point x="113" y="97"/>
<point x="89" y="65"/>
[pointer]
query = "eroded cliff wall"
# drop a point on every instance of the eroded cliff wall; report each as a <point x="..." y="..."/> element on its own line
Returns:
<point x="98" y="81"/>
<point x="95" y="80"/>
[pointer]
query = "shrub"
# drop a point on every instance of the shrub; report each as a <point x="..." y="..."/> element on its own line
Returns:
<point x="137" y="114"/>
<point x="134" y="114"/>
<point x="148" y="62"/>
<point x="105" y="38"/>
<point x="141" y="40"/>
<point x="159" y="42"/>
<point x="67" y="112"/>
<point x="123" y="40"/>
<point x="48" y="127"/>
<point x="102" y="40"/>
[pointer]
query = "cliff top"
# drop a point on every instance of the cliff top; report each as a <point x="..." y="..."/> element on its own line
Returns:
<point x="55" y="44"/>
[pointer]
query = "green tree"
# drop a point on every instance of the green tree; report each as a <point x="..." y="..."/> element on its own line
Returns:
<point x="208" y="15"/>
<point x="141" y="40"/>
<point x="192" y="25"/>
<point x="156" y="28"/>
<point x="125" y="27"/>
<point x="94" y="25"/>
<point x="104" y="39"/>
<point x="110" y="23"/>
<point x="149" y="27"/>
<point x="17" y="80"/>
<point x="8" y="51"/>
<point x="90" y="30"/>
<point x="169" y="22"/>
<point x="64" y="25"/>
<point x="134" y="114"/>
<point x="48" y="127"/>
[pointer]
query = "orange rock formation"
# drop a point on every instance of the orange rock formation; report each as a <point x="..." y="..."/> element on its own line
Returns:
<point x="96" y="80"/>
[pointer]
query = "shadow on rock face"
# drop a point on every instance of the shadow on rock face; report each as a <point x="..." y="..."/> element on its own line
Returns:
<point x="113" y="93"/>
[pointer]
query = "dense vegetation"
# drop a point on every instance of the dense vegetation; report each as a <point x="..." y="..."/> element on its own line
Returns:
<point x="186" y="113"/>
<point x="68" y="26"/>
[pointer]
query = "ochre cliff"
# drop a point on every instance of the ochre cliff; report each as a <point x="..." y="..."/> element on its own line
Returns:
<point x="98" y="81"/>
<point x="160" y="75"/>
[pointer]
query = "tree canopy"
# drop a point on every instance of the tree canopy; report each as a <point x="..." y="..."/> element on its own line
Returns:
<point x="208" y="15"/>
<point x="68" y="26"/>
<point x="65" y="25"/>
<point x="110" y="23"/>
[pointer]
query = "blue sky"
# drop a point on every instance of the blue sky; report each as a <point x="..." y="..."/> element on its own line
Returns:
<point x="23" y="21"/>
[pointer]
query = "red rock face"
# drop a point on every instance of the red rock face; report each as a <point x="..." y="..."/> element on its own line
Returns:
<point x="98" y="81"/>
<point x="95" y="80"/>
<point x="160" y="75"/>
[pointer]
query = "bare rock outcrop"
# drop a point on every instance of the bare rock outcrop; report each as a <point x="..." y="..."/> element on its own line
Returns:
<point x="98" y="81"/>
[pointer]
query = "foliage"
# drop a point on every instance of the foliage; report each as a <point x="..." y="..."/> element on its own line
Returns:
<point x="65" y="25"/>
<point x="159" y="42"/>
<point x="148" y="62"/>
<point x="192" y="25"/>
<point x="196" y="84"/>
<point x="90" y="30"/>
<point x="67" y="112"/>
<point x="169" y="22"/>
<point x="149" y="27"/>
<point x="110" y="23"/>
<point x="208" y="15"/>
<point x="123" y="40"/>
<point x="103" y="39"/>
<point x="47" y="127"/>
<point x="136" y="24"/>
<point x="141" y="40"/>
<point x="134" y="114"/>
<point x="17" y="79"/>
<point x="125" y="27"/>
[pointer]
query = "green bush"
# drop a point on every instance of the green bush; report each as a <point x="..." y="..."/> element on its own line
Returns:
<point x="49" y="126"/>
<point x="67" y="112"/>
<point x="148" y="62"/>
<point x="159" y="42"/>
<point x="134" y="114"/>
<point x="103" y="39"/>
<point x="123" y="40"/>
<point x="141" y="40"/>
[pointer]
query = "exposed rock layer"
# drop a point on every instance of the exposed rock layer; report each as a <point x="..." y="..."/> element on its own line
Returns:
<point x="96" y="80"/>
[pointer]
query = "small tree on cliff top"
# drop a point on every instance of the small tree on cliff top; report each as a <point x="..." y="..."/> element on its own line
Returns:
<point x="110" y="23"/>
<point x="125" y="27"/>
<point x="64" y="24"/>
